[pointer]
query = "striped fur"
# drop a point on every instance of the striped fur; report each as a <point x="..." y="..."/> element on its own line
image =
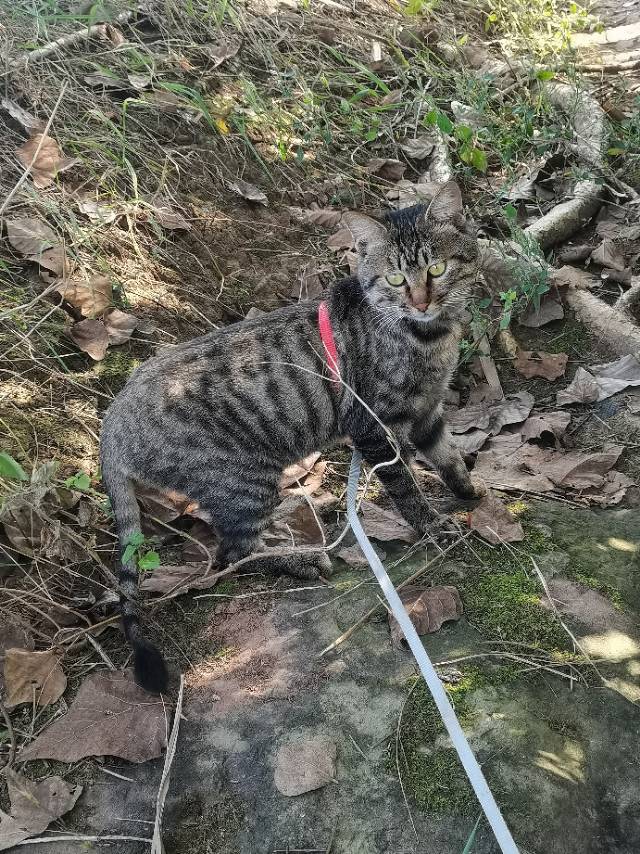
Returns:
<point x="219" y="417"/>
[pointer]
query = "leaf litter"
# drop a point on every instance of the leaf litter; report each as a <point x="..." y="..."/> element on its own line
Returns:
<point x="32" y="677"/>
<point x="34" y="806"/>
<point x="428" y="610"/>
<point x="44" y="156"/>
<point x="110" y="716"/>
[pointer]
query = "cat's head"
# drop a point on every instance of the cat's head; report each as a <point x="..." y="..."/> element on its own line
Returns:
<point x="419" y="264"/>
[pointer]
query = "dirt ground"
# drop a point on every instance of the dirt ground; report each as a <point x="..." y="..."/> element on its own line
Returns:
<point x="190" y="100"/>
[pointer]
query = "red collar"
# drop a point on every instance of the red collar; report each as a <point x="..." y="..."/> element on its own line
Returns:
<point x="328" y="341"/>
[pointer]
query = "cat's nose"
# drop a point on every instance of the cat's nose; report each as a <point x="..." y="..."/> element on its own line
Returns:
<point x="421" y="306"/>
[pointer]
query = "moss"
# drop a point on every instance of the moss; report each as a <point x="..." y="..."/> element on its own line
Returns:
<point x="432" y="774"/>
<point x="116" y="368"/>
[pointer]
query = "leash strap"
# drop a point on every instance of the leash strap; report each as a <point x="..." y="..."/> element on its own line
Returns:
<point x="468" y="760"/>
<point x="328" y="341"/>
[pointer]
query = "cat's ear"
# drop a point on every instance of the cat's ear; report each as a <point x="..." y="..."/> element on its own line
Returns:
<point x="364" y="228"/>
<point x="446" y="204"/>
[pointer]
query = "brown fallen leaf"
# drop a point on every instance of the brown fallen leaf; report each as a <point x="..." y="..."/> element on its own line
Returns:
<point x="428" y="609"/>
<point x="248" y="191"/>
<point x="99" y="212"/>
<point x="48" y="162"/>
<point x="298" y="471"/>
<point x="30" y="236"/>
<point x="110" y="716"/>
<point x="470" y="442"/>
<point x="32" y="675"/>
<point x="203" y="534"/>
<point x="29" y="123"/>
<point x="91" y="337"/>
<point x="218" y="53"/>
<point x="22" y="525"/>
<point x="309" y="283"/>
<point x="353" y="556"/>
<point x="550" y="309"/>
<point x="139" y="80"/>
<point x="342" y="239"/>
<point x="406" y="193"/>
<point x="386" y="168"/>
<point x="612" y="491"/>
<point x="384" y="525"/>
<point x="120" y="326"/>
<point x="312" y="483"/>
<point x="33" y="806"/>
<point x="101" y="78"/>
<point x="535" y="363"/>
<point x="54" y="260"/>
<point x="553" y="423"/>
<point x="419" y="148"/>
<point x="168" y="217"/>
<point x="494" y="522"/>
<point x="13" y="635"/>
<point x="307" y="761"/>
<point x="607" y="254"/>
<point x="615" y="230"/>
<point x="294" y="523"/>
<point x="582" y="389"/>
<point x="577" y="469"/>
<point x="325" y="217"/>
<point x="92" y="297"/>
<point x="492" y="417"/>
<point x="167" y="579"/>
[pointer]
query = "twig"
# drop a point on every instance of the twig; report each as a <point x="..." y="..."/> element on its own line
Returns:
<point x="81" y="838"/>
<point x="43" y="136"/>
<point x="115" y="774"/>
<point x="359" y="623"/>
<point x="103" y="655"/>
<point x="12" y="736"/>
<point x="156" y="843"/>
<point x="69" y="39"/>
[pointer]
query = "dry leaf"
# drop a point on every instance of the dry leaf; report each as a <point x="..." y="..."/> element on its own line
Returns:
<point x="550" y="309"/>
<point x="30" y="236"/>
<point x="553" y="423"/>
<point x="248" y="191"/>
<point x="30" y="123"/>
<point x="579" y="470"/>
<point x="168" y="217"/>
<point x="342" y="239"/>
<point x="167" y="579"/>
<point x="119" y="325"/>
<point x="110" y="716"/>
<point x="305" y="763"/>
<point x="469" y="443"/>
<point x="612" y="491"/>
<point x="165" y="505"/>
<point x="601" y="381"/>
<point x="101" y="78"/>
<point x="139" y="81"/>
<point x="30" y="674"/>
<point x="90" y="296"/>
<point x="294" y="523"/>
<point x="582" y="389"/>
<point x="384" y="525"/>
<point x="428" y="610"/>
<point x="419" y="148"/>
<point x="91" y="337"/>
<point x="13" y="635"/>
<point x="298" y="471"/>
<point x="535" y="363"/>
<point x="49" y="160"/>
<point x="312" y="483"/>
<point x="353" y="556"/>
<point x="506" y="470"/>
<point x="99" y="212"/>
<point x="492" y="417"/>
<point x="203" y="533"/>
<point x="23" y="526"/>
<point x="34" y="806"/>
<point x="406" y="193"/>
<point x="494" y="522"/>
<point x="386" y="168"/>
<point x="309" y="284"/>
<point x="615" y="230"/>
<point x="471" y="416"/>
<point x="325" y="217"/>
<point x="217" y="53"/>
<point x="54" y="260"/>
<point x="608" y="255"/>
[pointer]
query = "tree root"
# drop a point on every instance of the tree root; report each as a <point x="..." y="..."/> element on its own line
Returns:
<point x="606" y="321"/>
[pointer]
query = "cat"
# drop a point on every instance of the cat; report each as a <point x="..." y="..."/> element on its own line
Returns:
<point x="218" y="418"/>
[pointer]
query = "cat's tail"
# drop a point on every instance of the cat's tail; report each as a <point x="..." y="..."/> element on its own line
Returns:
<point x="149" y="667"/>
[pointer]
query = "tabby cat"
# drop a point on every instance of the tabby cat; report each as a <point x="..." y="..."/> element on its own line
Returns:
<point x="218" y="418"/>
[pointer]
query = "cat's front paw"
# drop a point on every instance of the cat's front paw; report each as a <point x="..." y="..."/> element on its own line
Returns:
<point x="475" y="489"/>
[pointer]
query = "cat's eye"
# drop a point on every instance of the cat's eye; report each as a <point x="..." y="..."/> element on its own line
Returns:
<point x="438" y="269"/>
<point x="395" y="279"/>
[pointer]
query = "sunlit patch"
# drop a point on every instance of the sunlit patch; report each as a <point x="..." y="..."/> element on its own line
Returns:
<point x="567" y="764"/>
<point x="630" y="690"/>
<point x="612" y="645"/>
<point x="623" y="545"/>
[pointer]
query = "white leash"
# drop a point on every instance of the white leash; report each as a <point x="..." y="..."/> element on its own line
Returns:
<point x="468" y="760"/>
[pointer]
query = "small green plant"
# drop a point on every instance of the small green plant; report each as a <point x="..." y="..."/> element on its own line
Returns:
<point x="10" y="468"/>
<point x="80" y="481"/>
<point x="146" y="559"/>
<point x="468" y="150"/>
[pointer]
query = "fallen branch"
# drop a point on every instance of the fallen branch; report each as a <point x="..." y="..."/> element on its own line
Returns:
<point x="156" y="844"/>
<point x="70" y="39"/>
<point x="607" y="321"/>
